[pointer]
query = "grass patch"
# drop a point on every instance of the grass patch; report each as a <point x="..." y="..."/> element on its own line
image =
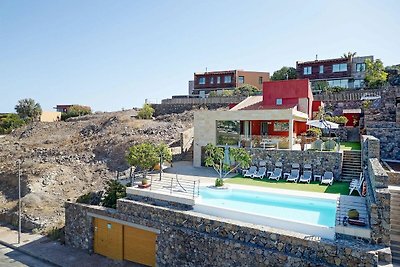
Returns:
<point x="350" y="146"/>
<point x="337" y="187"/>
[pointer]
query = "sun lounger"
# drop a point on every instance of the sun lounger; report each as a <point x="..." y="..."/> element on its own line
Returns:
<point x="293" y="176"/>
<point x="250" y="172"/>
<point x="276" y="174"/>
<point x="261" y="173"/>
<point x="306" y="176"/>
<point x="356" y="185"/>
<point x="327" y="178"/>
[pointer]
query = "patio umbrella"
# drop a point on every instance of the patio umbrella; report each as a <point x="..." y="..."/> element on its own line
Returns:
<point x="323" y="124"/>
<point x="227" y="160"/>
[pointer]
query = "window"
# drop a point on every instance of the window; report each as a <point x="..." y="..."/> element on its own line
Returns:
<point x="358" y="83"/>
<point x="360" y="67"/>
<point x="228" y="132"/>
<point x="307" y="70"/>
<point x="227" y="79"/>
<point x="321" y="69"/>
<point x="212" y="80"/>
<point x="339" y="67"/>
<point x="279" y="101"/>
<point x="339" y="83"/>
<point x="281" y="126"/>
<point x="202" y="80"/>
<point x="241" y="79"/>
<point x="218" y="79"/>
<point x="260" y="80"/>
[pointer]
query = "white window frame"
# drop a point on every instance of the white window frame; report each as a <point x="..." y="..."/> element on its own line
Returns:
<point x="241" y="79"/>
<point x="227" y="79"/>
<point x="341" y="67"/>
<point x="202" y="80"/>
<point x="307" y="70"/>
<point x="211" y="80"/>
<point x="218" y="79"/>
<point x="321" y="69"/>
<point x="279" y="101"/>
<point x="363" y="68"/>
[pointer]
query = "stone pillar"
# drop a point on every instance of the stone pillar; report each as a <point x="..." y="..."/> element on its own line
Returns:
<point x="291" y="121"/>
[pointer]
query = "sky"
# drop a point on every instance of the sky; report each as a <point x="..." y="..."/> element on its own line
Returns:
<point x="115" y="54"/>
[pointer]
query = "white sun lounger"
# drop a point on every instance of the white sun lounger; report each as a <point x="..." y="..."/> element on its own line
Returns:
<point x="293" y="176"/>
<point x="250" y="172"/>
<point x="327" y="178"/>
<point x="261" y="173"/>
<point x="306" y="177"/>
<point x="276" y="174"/>
<point x="356" y="185"/>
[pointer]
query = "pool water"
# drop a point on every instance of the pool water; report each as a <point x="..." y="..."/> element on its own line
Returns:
<point x="308" y="210"/>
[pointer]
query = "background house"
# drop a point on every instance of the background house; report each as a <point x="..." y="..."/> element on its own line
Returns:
<point x="214" y="81"/>
<point x="342" y="72"/>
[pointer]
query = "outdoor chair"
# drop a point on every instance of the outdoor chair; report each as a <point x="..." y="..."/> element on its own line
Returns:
<point x="306" y="176"/>
<point x="293" y="176"/>
<point x="329" y="145"/>
<point x="250" y="172"/>
<point x="327" y="178"/>
<point x="356" y="184"/>
<point x="261" y="173"/>
<point x="276" y="174"/>
<point x="317" y="145"/>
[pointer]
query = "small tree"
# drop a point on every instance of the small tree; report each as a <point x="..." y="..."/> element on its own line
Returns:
<point x="164" y="153"/>
<point x="28" y="109"/>
<point x="146" y="112"/>
<point x="143" y="156"/>
<point x="285" y="73"/>
<point x="76" y="111"/>
<point x="375" y="74"/>
<point x="215" y="157"/>
<point x="114" y="191"/>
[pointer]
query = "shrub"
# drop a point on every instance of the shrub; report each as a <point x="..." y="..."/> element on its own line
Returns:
<point x="219" y="182"/>
<point x="114" y="191"/>
<point x="56" y="234"/>
<point x="146" y="112"/>
<point x="10" y="122"/>
<point x="91" y="198"/>
<point x="28" y="109"/>
<point x="337" y="119"/>
<point x="316" y="132"/>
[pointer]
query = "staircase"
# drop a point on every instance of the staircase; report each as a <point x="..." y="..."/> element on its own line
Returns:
<point x="188" y="155"/>
<point x="351" y="165"/>
<point x="395" y="225"/>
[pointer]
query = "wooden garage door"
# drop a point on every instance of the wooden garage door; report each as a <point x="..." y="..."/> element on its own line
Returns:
<point x="108" y="239"/>
<point x="140" y="246"/>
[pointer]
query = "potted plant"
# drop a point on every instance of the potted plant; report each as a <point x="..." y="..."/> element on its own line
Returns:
<point x="145" y="183"/>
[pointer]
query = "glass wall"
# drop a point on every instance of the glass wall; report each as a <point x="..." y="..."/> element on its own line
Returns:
<point x="228" y="133"/>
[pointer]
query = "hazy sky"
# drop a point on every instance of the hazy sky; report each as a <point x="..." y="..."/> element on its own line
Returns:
<point x="114" y="54"/>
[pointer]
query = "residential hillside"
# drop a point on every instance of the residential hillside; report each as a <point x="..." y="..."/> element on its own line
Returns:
<point x="63" y="160"/>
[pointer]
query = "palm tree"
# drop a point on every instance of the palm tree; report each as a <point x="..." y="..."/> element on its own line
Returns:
<point x="349" y="55"/>
<point x="28" y="109"/>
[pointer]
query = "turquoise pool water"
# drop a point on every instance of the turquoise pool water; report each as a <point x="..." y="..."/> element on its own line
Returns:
<point x="315" y="211"/>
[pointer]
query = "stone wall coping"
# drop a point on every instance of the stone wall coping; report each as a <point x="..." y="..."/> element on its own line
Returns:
<point x="365" y="137"/>
<point x="160" y="195"/>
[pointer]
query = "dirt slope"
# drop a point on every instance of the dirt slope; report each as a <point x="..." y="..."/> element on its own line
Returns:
<point x="64" y="160"/>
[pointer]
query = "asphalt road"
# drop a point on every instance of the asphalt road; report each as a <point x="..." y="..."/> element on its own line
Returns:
<point x="14" y="258"/>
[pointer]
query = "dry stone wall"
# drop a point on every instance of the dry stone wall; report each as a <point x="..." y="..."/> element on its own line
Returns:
<point x="190" y="239"/>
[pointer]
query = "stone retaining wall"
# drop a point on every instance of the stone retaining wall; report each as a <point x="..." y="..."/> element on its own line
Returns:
<point x="389" y="141"/>
<point x="378" y="195"/>
<point x="191" y="239"/>
<point x="320" y="160"/>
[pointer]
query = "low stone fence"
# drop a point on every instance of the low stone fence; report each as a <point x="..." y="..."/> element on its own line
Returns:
<point x="187" y="238"/>
<point x="378" y="195"/>
<point x="321" y="161"/>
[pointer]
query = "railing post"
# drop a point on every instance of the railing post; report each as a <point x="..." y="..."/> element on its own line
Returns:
<point x="151" y="182"/>
<point x="172" y="180"/>
<point x="194" y="188"/>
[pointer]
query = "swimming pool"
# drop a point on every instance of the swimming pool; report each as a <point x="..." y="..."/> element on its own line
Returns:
<point x="303" y="214"/>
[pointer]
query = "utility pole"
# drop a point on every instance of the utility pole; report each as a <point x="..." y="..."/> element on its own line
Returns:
<point x="19" y="201"/>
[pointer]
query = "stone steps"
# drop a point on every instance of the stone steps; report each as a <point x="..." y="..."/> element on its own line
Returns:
<point x="351" y="166"/>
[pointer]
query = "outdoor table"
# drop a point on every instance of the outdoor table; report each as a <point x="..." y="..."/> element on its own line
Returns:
<point x="317" y="176"/>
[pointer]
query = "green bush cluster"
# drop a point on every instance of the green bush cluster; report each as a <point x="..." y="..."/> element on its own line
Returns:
<point x="146" y="112"/>
<point x="219" y="182"/>
<point x="316" y="132"/>
<point x="10" y="122"/>
<point x="337" y="119"/>
<point x="114" y="191"/>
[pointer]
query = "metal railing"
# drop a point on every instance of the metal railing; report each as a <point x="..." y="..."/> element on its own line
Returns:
<point x="175" y="185"/>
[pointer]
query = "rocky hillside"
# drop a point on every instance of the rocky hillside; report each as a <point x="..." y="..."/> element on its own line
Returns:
<point x="63" y="160"/>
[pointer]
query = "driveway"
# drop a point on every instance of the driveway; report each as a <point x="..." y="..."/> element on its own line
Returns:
<point x="10" y="257"/>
